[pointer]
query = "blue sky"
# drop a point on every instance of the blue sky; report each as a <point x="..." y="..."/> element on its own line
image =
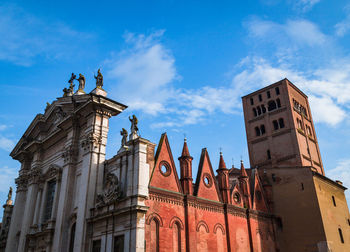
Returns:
<point x="180" y="66"/>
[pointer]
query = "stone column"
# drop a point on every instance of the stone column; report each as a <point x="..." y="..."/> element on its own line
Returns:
<point x="28" y="213"/>
<point x="18" y="210"/>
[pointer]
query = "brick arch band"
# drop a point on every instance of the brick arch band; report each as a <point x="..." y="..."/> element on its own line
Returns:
<point x="219" y="226"/>
<point x="202" y="223"/>
<point x="175" y="220"/>
<point x="156" y="217"/>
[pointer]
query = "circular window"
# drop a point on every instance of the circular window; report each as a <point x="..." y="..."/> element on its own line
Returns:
<point x="164" y="168"/>
<point x="258" y="195"/>
<point x="236" y="198"/>
<point x="207" y="180"/>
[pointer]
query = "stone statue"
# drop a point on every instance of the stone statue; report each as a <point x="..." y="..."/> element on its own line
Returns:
<point x="65" y="92"/>
<point x="111" y="191"/>
<point x="72" y="78"/>
<point x="9" y="197"/>
<point x="99" y="79"/>
<point x="124" y="133"/>
<point x="81" y="80"/>
<point x="134" y="129"/>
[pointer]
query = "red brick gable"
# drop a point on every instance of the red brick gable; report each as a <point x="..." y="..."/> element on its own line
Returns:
<point x="237" y="196"/>
<point x="164" y="174"/>
<point x="206" y="185"/>
<point x="259" y="201"/>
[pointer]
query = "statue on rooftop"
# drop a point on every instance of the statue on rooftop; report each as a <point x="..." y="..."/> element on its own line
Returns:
<point x="99" y="79"/>
<point x="9" y="197"/>
<point x="124" y="133"/>
<point x="134" y="129"/>
<point x="81" y="80"/>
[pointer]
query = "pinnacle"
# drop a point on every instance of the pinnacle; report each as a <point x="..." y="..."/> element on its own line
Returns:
<point x="185" y="152"/>
<point x="222" y="164"/>
<point x="243" y="171"/>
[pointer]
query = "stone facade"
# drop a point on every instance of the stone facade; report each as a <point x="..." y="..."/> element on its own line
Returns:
<point x="70" y="198"/>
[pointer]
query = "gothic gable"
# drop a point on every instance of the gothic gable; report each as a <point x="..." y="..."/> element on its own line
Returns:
<point x="258" y="195"/>
<point x="206" y="184"/>
<point x="164" y="174"/>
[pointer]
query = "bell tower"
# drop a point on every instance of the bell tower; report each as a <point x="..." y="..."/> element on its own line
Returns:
<point x="280" y="130"/>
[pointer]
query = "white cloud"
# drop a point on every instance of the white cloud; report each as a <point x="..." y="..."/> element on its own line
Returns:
<point x="343" y="27"/>
<point x="293" y="32"/>
<point x="324" y="109"/>
<point x="305" y="5"/>
<point x="6" y="143"/>
<point x="145" y="72"/>
<point x="3" y="127"/>
<point x="7" y="176"/>
<point x="341" y="172"/>
<point x="25" y="37"/>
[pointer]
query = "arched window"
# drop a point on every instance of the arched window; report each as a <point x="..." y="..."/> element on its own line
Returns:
<point x="154" y="241"/>
<point x="259" y="110"/>
<point x="278" y="103"/>
<point x="341" y="235"/>
<point x="262" y="129"/>
<point x="268" y="154"/>
<point x="72" y="236"/>
<point x="254" y="112"/>
<point x="275" y="125"/>
<point x="271" y="105"/>
<point x="176" y="237"/>
<point x="277" y="90"/>
<point x="257" y="131"/>
<point x="281" y="122"/>
<point x="263" y="108"/>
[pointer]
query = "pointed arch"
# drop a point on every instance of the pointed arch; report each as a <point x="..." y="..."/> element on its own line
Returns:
<point x="156" y="217"/>
<point x="219" y="226"/>
<point x="202" y="223"/>
<point x="175" y="220"/>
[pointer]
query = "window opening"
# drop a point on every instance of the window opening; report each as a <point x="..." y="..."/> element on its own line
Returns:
<point x="278" y="103"/>
<point x="273" y="176"/>
<point x="51" y="187"/>
<point x="251" y="101"/>
<point x="302" y="186"/>
<point x="277" y="89"/>
<point x="119" y="243"/>
<point x="96" y="246"/>
<point x="263" y="108"/>
<point x="257" y="131"/>
<point x="72" y="236"/>
<point x="262" y="129"/>
<point x="271" y="105"/>
<point x="259" y="110"/>
<point x="268" y="154"/>
<point x="275" y="125"/>
<point x="341" y="235"/>
<point x="268" y="94"/>
<point x="254" y="112"/>
<point x="333" y="199"/>
<point x="281" y="122"/>
<point x="260" y="97"/>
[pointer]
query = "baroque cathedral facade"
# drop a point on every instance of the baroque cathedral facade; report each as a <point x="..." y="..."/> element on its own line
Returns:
<point x="69" y="197"/>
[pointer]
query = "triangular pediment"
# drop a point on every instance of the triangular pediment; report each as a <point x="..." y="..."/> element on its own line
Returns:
<point x="258" y="195"/>
<point x="164" y="174"/>
<point x="206" y="184"/>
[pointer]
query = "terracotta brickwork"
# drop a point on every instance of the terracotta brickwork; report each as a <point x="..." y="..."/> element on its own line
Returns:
<point x="206" y="220"/>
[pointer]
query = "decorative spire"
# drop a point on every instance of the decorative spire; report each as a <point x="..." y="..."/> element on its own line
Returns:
<point x="243" y="171"/>
<point x="222" y="164"/>
<point x="185" y="152"/>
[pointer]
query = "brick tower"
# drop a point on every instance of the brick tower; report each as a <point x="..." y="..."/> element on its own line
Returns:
<point x="279" y="127"/>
